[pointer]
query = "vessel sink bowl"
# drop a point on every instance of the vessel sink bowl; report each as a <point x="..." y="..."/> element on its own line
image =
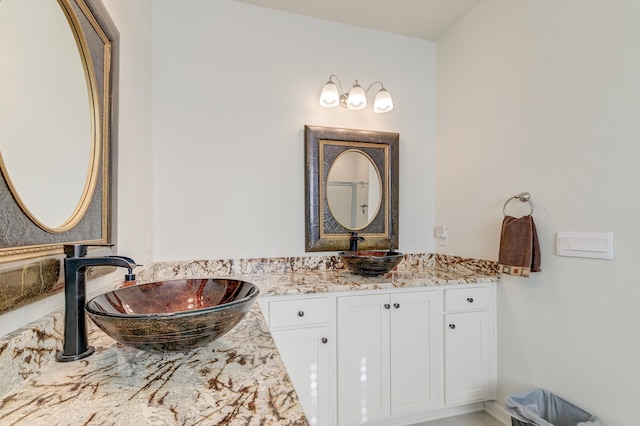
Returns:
<point x="371" y="263"/>
<point x="175" y="315"/>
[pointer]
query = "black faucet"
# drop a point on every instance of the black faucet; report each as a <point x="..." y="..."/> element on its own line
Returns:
<point x="76" y="344"/>
<point x="353" y="241"/>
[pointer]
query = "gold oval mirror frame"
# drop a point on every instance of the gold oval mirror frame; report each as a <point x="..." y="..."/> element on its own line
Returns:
<point x="353" y="189"/>
<point x="324" y="146"/>
<point x="22" y="234"/>
<point x="50" y="168"/>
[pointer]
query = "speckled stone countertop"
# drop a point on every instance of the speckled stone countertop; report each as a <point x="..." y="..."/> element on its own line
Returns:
<point x="237" y="380"/>
<point x="322" y="274"/>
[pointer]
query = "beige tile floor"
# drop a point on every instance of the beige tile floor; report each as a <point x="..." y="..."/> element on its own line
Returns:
<point x="480" y="418"/>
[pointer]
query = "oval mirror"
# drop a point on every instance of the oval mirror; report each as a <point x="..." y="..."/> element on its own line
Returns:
<point x="354" y="189"/>
<point x="47" y="142"/>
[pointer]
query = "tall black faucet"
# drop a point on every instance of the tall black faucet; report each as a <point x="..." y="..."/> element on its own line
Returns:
<point x="353" y="241"/>
<point x="76" y="344"/>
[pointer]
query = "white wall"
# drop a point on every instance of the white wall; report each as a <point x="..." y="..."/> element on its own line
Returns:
<point x="233" y="87"/>
<point x="135" y="139"/>
<point x="543" y="97"/>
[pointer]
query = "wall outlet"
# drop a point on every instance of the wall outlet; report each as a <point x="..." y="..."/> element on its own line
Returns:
<point x="440" y="232"/>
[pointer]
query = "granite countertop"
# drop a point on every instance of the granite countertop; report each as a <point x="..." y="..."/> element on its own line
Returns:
<point x="342" y="280"/>
<point x="323" y="274"/>
<point x="237" y="380"/>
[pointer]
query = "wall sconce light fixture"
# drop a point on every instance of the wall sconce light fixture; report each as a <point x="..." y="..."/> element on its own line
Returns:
<point x="356" y="98"/>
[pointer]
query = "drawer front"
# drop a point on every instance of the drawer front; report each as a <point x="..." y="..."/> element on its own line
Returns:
<point x="466" y="299"/>
<point x="298" y="312"/>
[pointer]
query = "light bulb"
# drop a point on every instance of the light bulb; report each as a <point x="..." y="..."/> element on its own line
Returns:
<point x="383" y="102"/>
<point x="329" y="97"/>
<point x="357" y="98"/>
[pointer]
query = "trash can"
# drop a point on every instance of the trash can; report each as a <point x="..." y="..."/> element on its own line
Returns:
<point x="540" y="407"/>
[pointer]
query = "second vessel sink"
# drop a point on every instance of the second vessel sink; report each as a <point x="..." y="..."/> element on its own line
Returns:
<point x="371" y="262"/>
<point x="175" y="315"/>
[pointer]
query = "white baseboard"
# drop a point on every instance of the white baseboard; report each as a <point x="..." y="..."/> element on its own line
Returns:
<point x="497" y="410"/>
<point x="431" y="415"/>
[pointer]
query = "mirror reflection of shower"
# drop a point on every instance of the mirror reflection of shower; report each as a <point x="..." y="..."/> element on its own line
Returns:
<point x="354" y="190"/>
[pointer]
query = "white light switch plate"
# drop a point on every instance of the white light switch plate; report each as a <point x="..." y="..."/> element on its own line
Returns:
<point x="440" y="232"/>
<point x="596" y="245"/>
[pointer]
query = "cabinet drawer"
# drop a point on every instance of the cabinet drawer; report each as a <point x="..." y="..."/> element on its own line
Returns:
<point x="298" y="312"/>
<point x="466" y="299"/>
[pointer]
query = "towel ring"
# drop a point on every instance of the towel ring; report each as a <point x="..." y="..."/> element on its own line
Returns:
<point x="525" y="197"/>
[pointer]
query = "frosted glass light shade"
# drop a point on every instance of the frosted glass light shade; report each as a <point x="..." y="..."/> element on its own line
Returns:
<point x="329" y="97"/>
<point x="357" y="98"/>
<point x="383" y="102"/>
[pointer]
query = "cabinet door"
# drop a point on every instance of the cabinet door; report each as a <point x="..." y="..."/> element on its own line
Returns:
<point x="467" y="363"/>
<point x="306" y="353"/>
<point x="363" y="358"/>
<point x="415" y="360"/>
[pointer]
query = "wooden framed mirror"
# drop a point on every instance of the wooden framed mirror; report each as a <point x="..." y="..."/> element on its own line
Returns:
<point x="351" y="185"/>
<point x="59" y="131"/>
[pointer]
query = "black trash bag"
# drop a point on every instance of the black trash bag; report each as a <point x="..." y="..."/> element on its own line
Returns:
<point x="540" y="407"/>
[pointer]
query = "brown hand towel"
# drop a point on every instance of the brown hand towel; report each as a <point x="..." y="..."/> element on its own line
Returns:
<point x="519" y="247"/>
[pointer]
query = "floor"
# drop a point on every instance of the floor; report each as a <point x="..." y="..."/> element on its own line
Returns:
<point x="480" y="418"/>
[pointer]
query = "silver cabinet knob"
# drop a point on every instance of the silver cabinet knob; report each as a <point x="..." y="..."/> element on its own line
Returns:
<point x="396" y="305"/>
<point x="452" y="326"/>
<point x="300" y="313"/>
<point x="387" y="306"/>
<point x="325" y="340"/>
<point x="470" y="299"/>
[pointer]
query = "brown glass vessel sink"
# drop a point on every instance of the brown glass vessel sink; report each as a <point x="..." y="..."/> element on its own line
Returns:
<point x="175" y="315"/>
<point x="371" y="262"/>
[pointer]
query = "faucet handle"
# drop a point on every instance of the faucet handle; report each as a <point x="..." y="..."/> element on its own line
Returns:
<point x="355" y="236"/>
<point x="80" y="250"/>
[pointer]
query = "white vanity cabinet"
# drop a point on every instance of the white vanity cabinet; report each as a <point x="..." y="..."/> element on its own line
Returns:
<point x="469" y="344"/>
<point x="304" y="334"/>
<point x="388" y="355"/>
